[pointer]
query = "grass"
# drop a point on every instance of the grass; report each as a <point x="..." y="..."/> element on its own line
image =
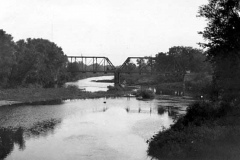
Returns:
<point x="34" y="95"/>
<point x="207" y="131"/>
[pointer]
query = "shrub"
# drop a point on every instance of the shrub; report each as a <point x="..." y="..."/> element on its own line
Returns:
<point x="200" y="112"/>
<point x="146" y="94"/>
<point x="207" y="131"/>
<point x="73" y="88"/>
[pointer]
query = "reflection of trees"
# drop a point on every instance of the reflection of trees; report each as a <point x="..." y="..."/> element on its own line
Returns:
<point x="172" y="113"/>
<point x="161" y="110"/>
<point x="10" y="136"/>
<point x="42" y="128"/>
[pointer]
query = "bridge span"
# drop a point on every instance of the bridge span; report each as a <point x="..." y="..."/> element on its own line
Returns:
<point x="101" y="64"/>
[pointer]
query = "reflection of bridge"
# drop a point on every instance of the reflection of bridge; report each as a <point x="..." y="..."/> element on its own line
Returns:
<point x="98" y="64"/>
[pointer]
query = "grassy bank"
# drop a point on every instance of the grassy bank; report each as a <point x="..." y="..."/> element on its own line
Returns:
<point x="207" y="131"/>
<point x="51" y="95"/>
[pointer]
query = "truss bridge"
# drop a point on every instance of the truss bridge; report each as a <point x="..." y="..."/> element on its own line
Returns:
<point x="98" y="64"/>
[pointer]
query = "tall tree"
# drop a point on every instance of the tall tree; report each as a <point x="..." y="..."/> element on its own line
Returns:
<point x="223" y="45"/>
<point x="6" y="56"/>
<point x="39" y="61"/>
<point x="180" y="58"/>
<point x="25" y="63"/>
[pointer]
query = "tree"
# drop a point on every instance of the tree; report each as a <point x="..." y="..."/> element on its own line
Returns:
<point x="223" y="45"/>
<point x="161" y="62"/>
<point x="38" y="61"/>
<point x="6" y="57"/>
<point x="180" y="59"/>
<point x="73" y="70"/>
<point x="25" y="63"/>
<point x="188" y="58"/>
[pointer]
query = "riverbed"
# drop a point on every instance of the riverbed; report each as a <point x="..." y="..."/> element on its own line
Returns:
<point x="104" y="128"/>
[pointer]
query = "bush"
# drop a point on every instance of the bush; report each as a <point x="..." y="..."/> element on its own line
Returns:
<point x="200" y="112"/>
<point x="146" y="94"/>
<point x="73" y="88"/>
<point x="207" y="131"/>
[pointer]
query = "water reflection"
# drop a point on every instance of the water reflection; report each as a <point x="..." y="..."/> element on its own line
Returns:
<point x="43" y="128"/>
<point x="10" y="136"/>
<point x="89" y="84"/>
<point x="90" y="129"/>
<point x="172" y="111"/>
<point x="112" y="128"/>
<point x="161" y="110"/>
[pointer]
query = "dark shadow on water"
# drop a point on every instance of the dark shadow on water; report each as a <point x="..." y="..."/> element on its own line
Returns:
<point x="161" y="110"/>
<point x="43" y="128"/>
<point x="172" y="112"/>
<point x="17" y="136"/>
<point x="9" y="137"/>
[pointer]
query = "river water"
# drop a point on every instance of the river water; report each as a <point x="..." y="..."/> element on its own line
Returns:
<point x="88" y="84"/>
<point x="104" y="129"/>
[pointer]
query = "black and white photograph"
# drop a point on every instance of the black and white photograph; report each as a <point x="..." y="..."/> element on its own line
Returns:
<point x="119" y="79"/>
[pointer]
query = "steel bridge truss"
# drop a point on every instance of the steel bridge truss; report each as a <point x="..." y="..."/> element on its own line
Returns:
<point x="91" y="64"/>
<point x="140" y="65"/>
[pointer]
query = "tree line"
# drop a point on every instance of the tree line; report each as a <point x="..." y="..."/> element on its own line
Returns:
<point x="32" y="61"/>
<point x="177" y="59"/>
<point x="42" y="63"/>
<point x="182" y="59"/>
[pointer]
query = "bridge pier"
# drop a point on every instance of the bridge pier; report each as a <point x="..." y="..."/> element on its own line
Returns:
<point x="116" y="78"/>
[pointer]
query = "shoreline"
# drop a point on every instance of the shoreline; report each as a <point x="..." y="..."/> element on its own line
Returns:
<point x="206" y="131"/>
<point x="50" y="96"/>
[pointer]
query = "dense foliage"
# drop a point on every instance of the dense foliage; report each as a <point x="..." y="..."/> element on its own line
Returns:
<point x="77" y="68"/>
<point x="34" y="61"/>
<point x="181" y="59"/>
<point x="7" y="60"/>
<point x="223" y="45"/>
<point x="211" y="130"/>
<point x="207" y="131"/>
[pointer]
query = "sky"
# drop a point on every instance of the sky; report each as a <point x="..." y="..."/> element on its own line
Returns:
<point x="116" y="29"/>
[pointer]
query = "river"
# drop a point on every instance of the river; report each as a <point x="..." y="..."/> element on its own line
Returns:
<point x="90" y="129"/>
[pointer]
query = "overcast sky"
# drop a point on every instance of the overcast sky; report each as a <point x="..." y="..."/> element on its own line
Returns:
<point x="113" y="28"/>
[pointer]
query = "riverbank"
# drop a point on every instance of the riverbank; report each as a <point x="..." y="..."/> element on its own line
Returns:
<point x="42" y="96"/>
<point x="207" y="131"/>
